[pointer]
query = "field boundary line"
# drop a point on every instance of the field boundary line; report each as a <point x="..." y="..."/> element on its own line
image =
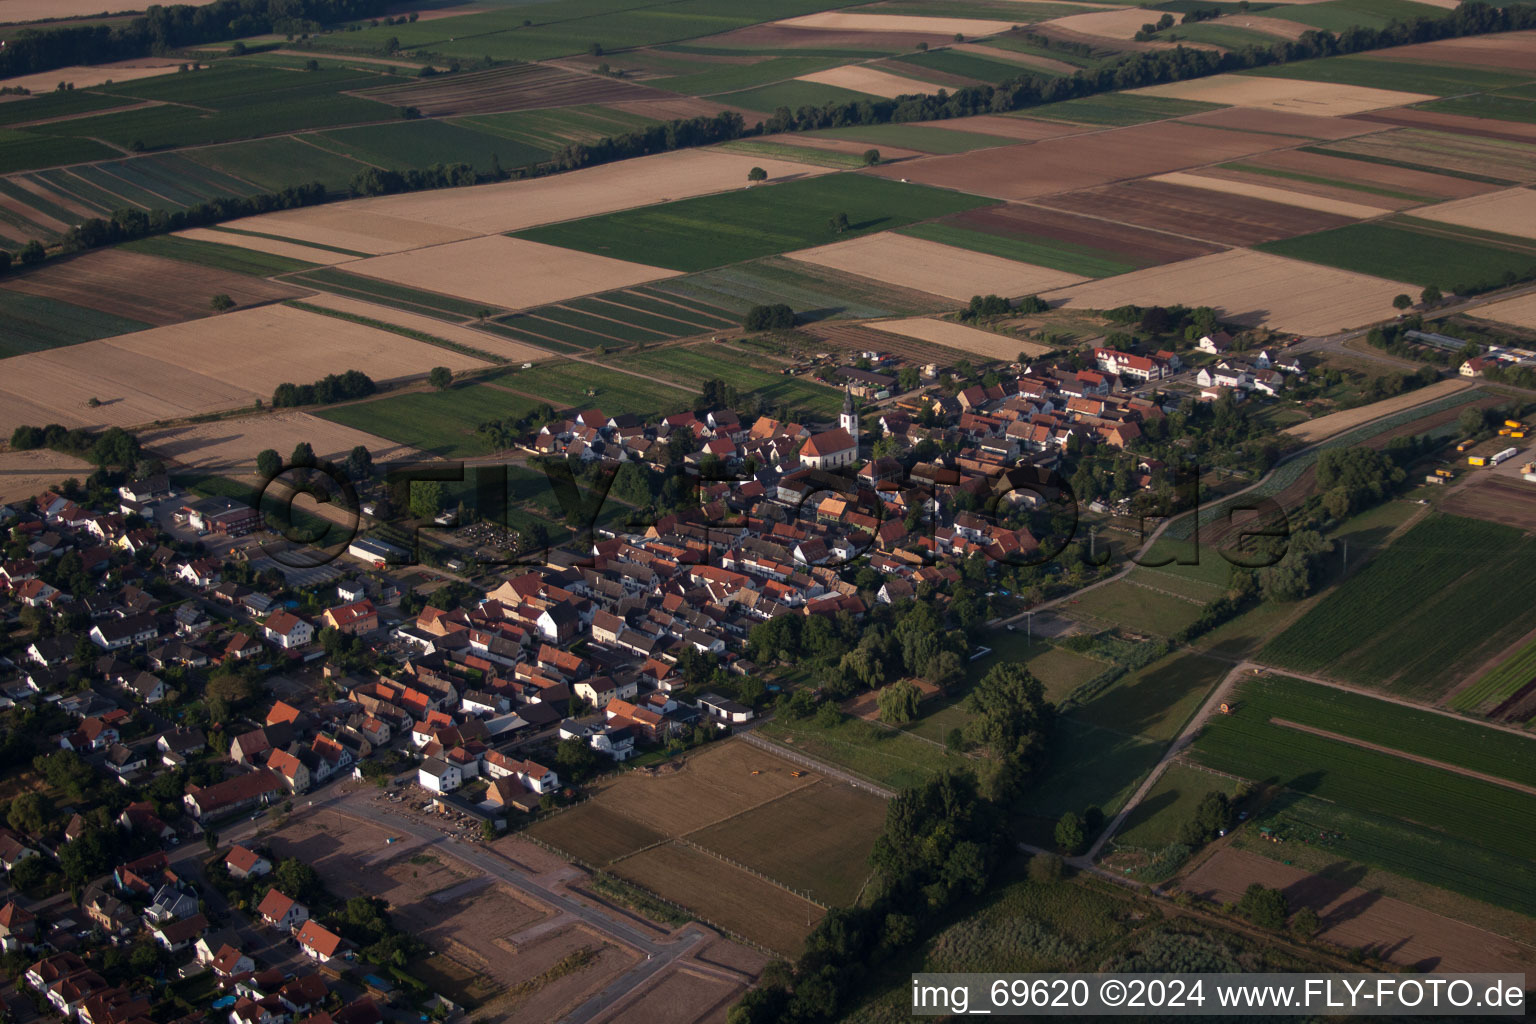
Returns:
<point x="739" y="866"/>
<point x="843" y="774"/>
<point x="1446" y="766"/>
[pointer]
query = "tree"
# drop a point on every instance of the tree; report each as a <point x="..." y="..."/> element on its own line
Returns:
<point x="777" y="316"/>
<point x="440" y="377"/>
<point x="268" y="462"/>
<point x="1473" y="420"/>
<point x="595" y="49"/>
<point x="1263" y="906"/>
<point x="359" y="463"/>
<point x="838" y="223"/>
<point x="1305" y="923"/>
<point x="303" y="455"/>
<point x="1430" y="295"/>
<point x="1402" y="301"/>
<point x="32" y="253"/>
<point x="221" y="302"/>
<point x="898" y="702"/>
<point x="1212" y="817"/>
<point x="426" y="499"/>
<point x="296" y="879"/>
<point x="757" y="174"/>
<point x="29" y="814"/>
<point x="577" y="760"/>
<point x="1069" y="833"/>
<point x="871" y="157"/>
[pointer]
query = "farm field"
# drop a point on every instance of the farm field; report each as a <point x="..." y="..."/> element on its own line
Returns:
<point x="1512" y="212"/>
<point x="1438" y="818"/>
<point x="1509" y="50"/>
<point x="973" y="340"/>
<point x="1365" y="176"/>
<point x="688" y="366"/>
<point x="210" y="250"/>
<point x="393" y="223"/>
<point x="440" y="422"/>
<point x="510" y="88"/>
<point x="551" y="130"/>
<point x="910" y="262"/>
<point x="1457" y="259"/>
<point x="273" y="163"/>
<point x="469" y="342"/>
<point x="923" y="138"/>
<point x="1382" y="72"/>
<point x="228" y="447"/>
<point x="145" y="288"/>
<point x="1250" y="286"/>
<point x="1169" y="804"/>
<point x="889" y="757"/>
<point x="1081" y="161"/>
<point x="1079" y="261"/>
<point x="1059" y="670"/>
<point x="24" y="475"/>
<point x="1089" y="767"/>
<point x="793" y="94"/>
<point x="1293" y="95"/>
<point x="1454" y="585"/>
<point x="1073" y="242"/>
<point x="697" y="234"/>
<point x="1123" y="603"/>
<point x="1270" y="192"/>
<point x="33" y="323"/>
<point x="871" y="80"/>
<point x="1338" y="422"/>
<point x="477" y="270"/>
<point x="1507" y="105"/>
<point x="566" y="384"/>
<point x="1519" y="312"/>
<point x="1118" y="109"/>
<point x="1498" y="161"/>
<point x="1178" y="206"/>
<point x="1503" y="687"/>
<point x="291" y="252"/>
<point x="1156" y="701"/>
<point x="407" y="144"/>
<point x="722" y="802"/>
<point x="816" y="293"/>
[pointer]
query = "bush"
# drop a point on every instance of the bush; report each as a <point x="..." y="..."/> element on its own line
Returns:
<point x="769" y="318"/>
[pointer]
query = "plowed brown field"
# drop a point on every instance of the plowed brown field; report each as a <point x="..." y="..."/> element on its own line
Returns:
<point x="1353" y="917"/>
<point x="1512" y="51"/>
<point x="145" y="288"/>
<point x="1283" y="122"/>
<point x="1077" y="161"/>
<point x="1203" y="213"/>
<point x="1140" y="246"/>
<point x="1403" y="179"/>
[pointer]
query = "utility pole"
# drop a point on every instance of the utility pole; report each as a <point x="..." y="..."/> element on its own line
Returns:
<point x="1346" y="554"/>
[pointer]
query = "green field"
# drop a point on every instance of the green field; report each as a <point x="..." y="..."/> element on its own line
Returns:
<point x="1379" y="73"/>
<point x="222" y="257"/>
<point x="1221" y="34"/>
<point x="387" y="293"/>
<point x="423" y="143"/>
<point x="1045" y="252"/>
<point x="1452" y="258"/>
<point x="33" y="323"/>
<point x="440" y="422"/>
<point x="787" y="151"/>
<point x="1117" y="109"/>
<point x="1318" y="179"/>
<point x="1059" y="670"/>
<point x="1503" y="681"/>
<point x="710" y="231"/>
<point x="921" y="137"/>
<point x="25" y="150"/>
<point x="1088" y="767"/>
<point x="690" y="366"/>
<point x="567" y="384"/>
<point x="1441" y="810"/>
<point x="736" y="77"/>
<point x="983" y="69"/>
<point x="890" y="757"/>
<point x="1443" y="595"/>
<point x="1502" y="106"/>
<point x="57" y="104"/>
<point x="1128" y="605"/>
<point x="1156" y="701"/>
<point x="1170" y="803"/>
<point x="550" y="130"/>
<point x="816" y="293"/>
<point x="794" y="95"/>
<point x="1338" y="15"/>
<point x="275" y="163"/>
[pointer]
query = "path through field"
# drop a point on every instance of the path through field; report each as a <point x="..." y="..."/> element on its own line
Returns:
<point x="1497" y="780"/>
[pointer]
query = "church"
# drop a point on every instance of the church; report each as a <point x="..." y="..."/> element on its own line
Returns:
<point x="834" y="449"/>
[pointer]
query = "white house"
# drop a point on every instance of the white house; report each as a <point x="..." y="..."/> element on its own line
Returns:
<point x="243" y="862"/>
<point x="287" y="630"/>
<point x="439" y="776"/>
<point x="282" y="912"/>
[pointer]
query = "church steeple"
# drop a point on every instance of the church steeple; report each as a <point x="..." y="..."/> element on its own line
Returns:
<point x="848" y="419"/>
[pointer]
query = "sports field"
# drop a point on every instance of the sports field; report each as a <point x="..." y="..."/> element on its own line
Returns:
<point x="710" y="231"/>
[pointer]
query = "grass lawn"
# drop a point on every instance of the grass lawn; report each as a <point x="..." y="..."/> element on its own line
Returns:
<point x="33" y="323"/>
<point x="710" y="231"/>
<point x="1045" y="252"/>
<point x="890" y="757"/>
<point x="1156" y="701"/>
<point x="1059" y="670"/>
<point x="568" y="384"/>
<point x="1169" y="804"/>
<point x="1125" y="604"/>
<point x="440" y="422"/>
<point x="1450" y="258"/>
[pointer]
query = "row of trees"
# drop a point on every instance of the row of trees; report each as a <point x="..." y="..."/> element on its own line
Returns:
<point x="328" y="389"/>
<point x="162" y="29"/>
<point x="111" y="447"/>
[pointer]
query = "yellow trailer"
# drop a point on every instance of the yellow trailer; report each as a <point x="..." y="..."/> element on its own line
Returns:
<point x="1476" y="460"/>
<point x="1513" y="423"/>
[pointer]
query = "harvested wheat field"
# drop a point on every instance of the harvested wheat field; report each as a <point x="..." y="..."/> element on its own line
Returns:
<point x="511" y="273"/>
<point x="1079" y="161"/>
<point x="512" y="205"/>
<point x="1327" y="99"/>
<point x="1021" y="128"/>
<point x="493" y="344"/>
<point x="1251" y="288"/>
<point x="86" y="76"/>
<point x="292" y="250"/>
<point x="1352" y="918"/>
<point x="1270" y="194"/>
<point x="1511" y="51"/>
<point x="871" y="80"/>
<point x="1512" y="212"/>
<point x="1283" y="122"/>
<point x="353" y="226"/>
<point x="150" y="289"/>
<point x="933" y="267"/>
<point x="1519" y="312"/>
<point x="1217" y="216"/>
<point x="1115" y="24"/>
<point x="1333" y="193"/>
<point x="897" y="23"/>
<point x="958" y="336"/>
<point x="57" y="385"/>
<point x="229" y="447"/>
<point x="23" y="474"/>
<point x="1338" y="422"/>
<point x="39" y="10"/>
